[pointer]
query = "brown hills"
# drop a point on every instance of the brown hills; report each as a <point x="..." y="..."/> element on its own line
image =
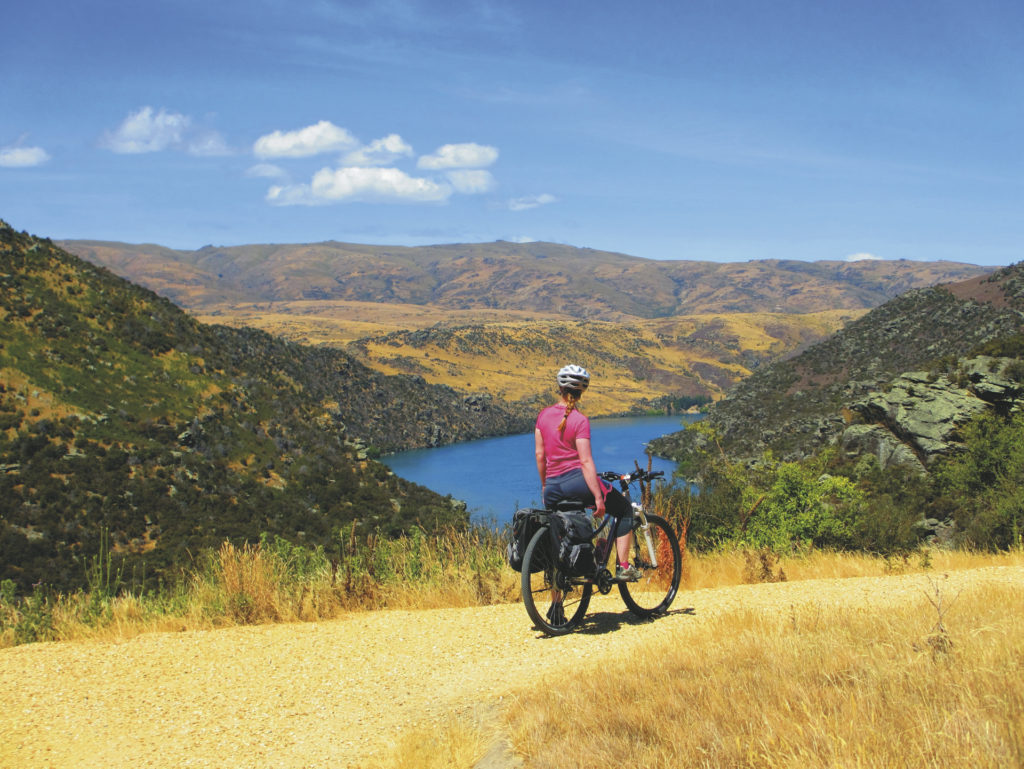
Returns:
<point x="533" y="277"/>
<point x="491" y="316"/>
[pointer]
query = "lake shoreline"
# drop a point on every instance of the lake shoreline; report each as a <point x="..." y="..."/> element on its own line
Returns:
<point x="496" y="476"/>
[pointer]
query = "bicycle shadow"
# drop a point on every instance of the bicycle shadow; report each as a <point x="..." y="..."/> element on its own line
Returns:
<point x="602" y="622"/>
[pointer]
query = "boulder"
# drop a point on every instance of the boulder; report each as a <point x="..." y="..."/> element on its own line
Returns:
<point x="989" y="381"/>
<point x="859" y="440"/>
<point x="922" y="411"/>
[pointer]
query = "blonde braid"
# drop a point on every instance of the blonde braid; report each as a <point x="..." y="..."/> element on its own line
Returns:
<point x="571" y="399"/>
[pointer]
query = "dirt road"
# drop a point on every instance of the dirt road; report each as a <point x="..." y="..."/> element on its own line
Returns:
<point x="335" y="693"/>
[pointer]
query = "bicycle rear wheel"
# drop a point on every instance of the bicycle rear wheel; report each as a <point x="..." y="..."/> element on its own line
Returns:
<point x="555" y="603"/>
<point x="654" y="592"/>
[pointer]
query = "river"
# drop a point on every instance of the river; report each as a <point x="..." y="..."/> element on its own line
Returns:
<point x="497" y="476"/>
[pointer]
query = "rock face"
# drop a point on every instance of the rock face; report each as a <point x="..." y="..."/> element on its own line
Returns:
<point x="875" y="440"/>
<point x="917" y="418"/>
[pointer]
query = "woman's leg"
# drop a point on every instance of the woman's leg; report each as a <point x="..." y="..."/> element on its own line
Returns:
<point x="616" y="504"/>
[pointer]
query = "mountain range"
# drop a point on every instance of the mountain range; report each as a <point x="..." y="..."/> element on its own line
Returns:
<point x="544" y="278"/>
<point x="497" y="318"/>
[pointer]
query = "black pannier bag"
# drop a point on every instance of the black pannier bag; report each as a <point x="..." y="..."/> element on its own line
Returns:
<point x="572" y="536"/>
<point x="525" y="523"/>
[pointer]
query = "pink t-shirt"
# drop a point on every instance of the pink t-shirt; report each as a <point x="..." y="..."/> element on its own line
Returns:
<point x="560" y="448"/>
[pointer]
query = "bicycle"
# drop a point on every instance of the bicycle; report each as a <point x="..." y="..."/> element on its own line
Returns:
<point x="557" y="602"/>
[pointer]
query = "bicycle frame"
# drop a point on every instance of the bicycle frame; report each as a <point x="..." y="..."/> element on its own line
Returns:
<point x="603" y="550"/>
<point x="647" y="595"/>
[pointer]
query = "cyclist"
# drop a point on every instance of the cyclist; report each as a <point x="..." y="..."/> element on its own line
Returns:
<point x="566" y="465"/>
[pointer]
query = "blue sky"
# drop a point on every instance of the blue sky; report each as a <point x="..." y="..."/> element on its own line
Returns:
<point x="695" y="129"/>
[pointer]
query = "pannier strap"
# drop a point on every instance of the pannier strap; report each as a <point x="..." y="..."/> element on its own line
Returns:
<point x="570" y="505"/>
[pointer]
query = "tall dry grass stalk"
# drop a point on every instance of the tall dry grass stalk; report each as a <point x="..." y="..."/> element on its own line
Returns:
<point x="276" y="581"/>
<point x="814" y="688"/>
<point x="730" y="567"/>
<point x="451" y="744"/>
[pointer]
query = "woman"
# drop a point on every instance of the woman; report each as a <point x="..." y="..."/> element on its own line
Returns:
<point x="566" y="465"/>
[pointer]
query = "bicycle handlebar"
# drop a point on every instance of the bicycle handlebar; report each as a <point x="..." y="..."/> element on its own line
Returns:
<point x="636" y="475"/>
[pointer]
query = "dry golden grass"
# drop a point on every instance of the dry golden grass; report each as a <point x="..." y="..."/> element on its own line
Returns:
<point x="249" y="585"/>
<point x="934" y="683"/>
<point x="454" y="742"/>
<point x="730" y="567"/>
<point x="816" y="688"/>
<point x="278" y="582"/>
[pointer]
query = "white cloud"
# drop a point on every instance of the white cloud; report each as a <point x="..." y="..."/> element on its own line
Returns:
<point x="531" y="201"/>
<point x="861" y="257"/>
<point x="305" y="142"/>
<point x="22" y="157"/>
<point x="265" y="171"/>
<point x="209" y="144"/>
<point x="471" y="182"/>
<point x="379" y="152"/>
<point x="147" y="131"/>
<point x="377" y="185"/>
<point x="292" y="195"/>
<point x="459" y="156"/>
<point x="151" y="131"/>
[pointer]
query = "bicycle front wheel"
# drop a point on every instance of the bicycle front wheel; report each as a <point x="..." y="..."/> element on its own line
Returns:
<point x="654" y="592"/>
<point x="554" y="602"/>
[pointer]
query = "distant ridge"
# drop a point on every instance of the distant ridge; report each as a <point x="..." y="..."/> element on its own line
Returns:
<point x="535" y="277"/>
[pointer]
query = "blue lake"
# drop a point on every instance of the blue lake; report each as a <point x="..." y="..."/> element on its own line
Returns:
<point x="496" y="476"/>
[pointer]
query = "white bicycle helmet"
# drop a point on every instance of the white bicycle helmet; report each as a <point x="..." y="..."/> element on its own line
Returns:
<point x="573" y="376"/>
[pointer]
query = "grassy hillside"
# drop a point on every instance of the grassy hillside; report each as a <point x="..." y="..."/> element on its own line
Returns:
<point x="638" y="365"/>
<point x="123" y="417"/>
<point x="498" y="316"/>
<point x="794" y="407"/>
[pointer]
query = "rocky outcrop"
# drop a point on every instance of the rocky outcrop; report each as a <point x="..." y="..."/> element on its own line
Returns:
<point x="917" y="418"/>
<point x="879" y="442"/>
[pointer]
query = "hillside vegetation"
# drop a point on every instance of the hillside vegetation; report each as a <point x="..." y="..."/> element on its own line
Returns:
<point x="905" y="427"/>
<point x="795" y="406"/>
<point x="638" y="365"/>
<point x="125" y="421"/>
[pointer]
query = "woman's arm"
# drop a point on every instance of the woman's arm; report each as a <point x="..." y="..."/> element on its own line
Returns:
<point x="542" y="464"/>
<point x="590" y="473"/>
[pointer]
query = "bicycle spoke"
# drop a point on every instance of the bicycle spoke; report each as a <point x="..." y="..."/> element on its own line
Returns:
<point x="654" y="592"/>
<point x="554" y="610"/>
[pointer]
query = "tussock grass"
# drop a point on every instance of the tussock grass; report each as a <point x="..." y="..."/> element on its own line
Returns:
<point x="454" y="742"/>
<point x="936" y="684"/>
<point x="732" y="566"/>
<point x="818" y="687"/>
<point x="276" y="581"/>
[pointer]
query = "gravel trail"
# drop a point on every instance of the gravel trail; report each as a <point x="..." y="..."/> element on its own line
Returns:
<point x="333" y="694"/>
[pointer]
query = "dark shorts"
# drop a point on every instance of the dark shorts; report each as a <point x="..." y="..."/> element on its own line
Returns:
<point x="573" y="486"/>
